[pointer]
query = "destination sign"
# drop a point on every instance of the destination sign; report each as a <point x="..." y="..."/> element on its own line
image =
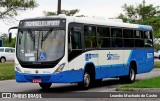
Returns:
<point x="42" y="23"/>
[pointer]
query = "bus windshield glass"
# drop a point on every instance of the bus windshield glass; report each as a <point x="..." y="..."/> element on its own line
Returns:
<point x="40" y="45"/>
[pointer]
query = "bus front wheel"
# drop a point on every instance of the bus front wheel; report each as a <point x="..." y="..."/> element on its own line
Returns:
<point x="86" y="81"/>
<point x="45" y="85"/>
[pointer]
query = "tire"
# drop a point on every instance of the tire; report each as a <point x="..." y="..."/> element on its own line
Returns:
<point x="45" y="86"/>
<point x="3" y="59"/>
<point x="131" y="77"/>
<point x="86" y="81"/>
<point x="159" y="57"/>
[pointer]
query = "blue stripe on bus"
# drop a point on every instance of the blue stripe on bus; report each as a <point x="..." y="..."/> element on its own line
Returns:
<point x="144" y="27"/>
<point x="144" y="64"/>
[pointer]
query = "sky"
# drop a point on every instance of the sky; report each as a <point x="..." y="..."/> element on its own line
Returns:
<point x="98" y="8"/>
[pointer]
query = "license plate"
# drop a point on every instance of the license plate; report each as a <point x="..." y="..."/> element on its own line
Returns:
<point x="36" y="81"/>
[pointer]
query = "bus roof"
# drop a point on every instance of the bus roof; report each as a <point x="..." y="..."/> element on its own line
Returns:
<point x="87" y="20"/>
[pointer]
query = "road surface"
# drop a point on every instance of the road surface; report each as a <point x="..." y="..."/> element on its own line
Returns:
<point x="108" y="85"/>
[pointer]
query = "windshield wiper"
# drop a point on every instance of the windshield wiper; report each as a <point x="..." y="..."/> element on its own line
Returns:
<point x="47" y="34"/>
<point x="32" y="36"/>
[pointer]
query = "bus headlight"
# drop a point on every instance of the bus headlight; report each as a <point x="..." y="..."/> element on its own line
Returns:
<point x="60" y="68"/>
<point x="17" y="68"/>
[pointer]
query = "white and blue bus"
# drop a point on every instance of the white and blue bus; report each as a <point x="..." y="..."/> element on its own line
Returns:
<point x="64" y="49"/>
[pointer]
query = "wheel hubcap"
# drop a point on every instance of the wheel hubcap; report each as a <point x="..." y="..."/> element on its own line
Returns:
<point x="132" y="74"/>
<point x="86" y="80"/>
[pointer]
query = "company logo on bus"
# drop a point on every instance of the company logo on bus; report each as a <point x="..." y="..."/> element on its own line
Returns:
<point x="112" y="56"/>
<point x="149" y="55"/>
<point x="90" y="56"/>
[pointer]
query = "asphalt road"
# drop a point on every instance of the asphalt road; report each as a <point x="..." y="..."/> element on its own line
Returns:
<point x="108" y="85"/>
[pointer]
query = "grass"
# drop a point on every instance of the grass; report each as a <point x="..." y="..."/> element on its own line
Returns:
<point x="7" y="71"/>
<point x="148" y="83"/>
<point x="156" y="64"/>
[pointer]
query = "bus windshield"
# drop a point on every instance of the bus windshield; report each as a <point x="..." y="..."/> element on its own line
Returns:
<point x="40" y="45"/>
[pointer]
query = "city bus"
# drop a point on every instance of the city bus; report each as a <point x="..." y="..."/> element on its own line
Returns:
<point x="65" y="49"/>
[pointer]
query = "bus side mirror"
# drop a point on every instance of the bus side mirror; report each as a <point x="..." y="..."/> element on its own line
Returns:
<point x="10" y="37"/>
<point x="10" y="34"/>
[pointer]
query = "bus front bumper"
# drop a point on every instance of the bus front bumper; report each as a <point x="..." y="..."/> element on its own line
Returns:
<point x="62" y="77"/>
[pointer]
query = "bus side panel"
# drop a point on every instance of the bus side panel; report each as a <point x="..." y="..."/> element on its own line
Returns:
<point x="111" y="64"/>
<point x="144" y="60"/>
<point x="80" y="62"/>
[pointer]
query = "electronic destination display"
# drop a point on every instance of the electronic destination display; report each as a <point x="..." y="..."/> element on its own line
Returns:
<point x="42" y="23"/>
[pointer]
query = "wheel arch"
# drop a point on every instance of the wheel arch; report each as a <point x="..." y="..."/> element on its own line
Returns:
<point x="90" y="67"/>
<point x="134" y="63"/>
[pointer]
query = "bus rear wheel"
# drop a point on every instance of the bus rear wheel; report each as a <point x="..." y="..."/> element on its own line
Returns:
<point x="131" y="77"/>
<point x="45" y="85"/>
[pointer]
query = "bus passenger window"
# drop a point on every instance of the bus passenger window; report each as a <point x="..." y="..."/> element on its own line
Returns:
<point x="90" y="36"/>
<point x="147" y="39"/>
<point x="128" y="37"/>
<point x="116" y="34"/>
<point x="139" y="41"/>
<point x="117" y="42"/>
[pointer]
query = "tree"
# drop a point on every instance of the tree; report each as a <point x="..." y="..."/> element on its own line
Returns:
<point x="10" y="8"/>
<point x="67" y="12"/>
<point x="142" y="14"/>
<point x="139" y="12"/>
<point x="155" y="22"/>
<point x="6" y="40"/>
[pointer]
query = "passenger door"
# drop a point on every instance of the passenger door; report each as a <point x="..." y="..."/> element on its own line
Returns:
<point x="75" y="46"/>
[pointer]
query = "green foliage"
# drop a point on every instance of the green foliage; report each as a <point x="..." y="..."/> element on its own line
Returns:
<point x="12" y="44"/>
<point x="139" y="12"/>
<point x="67" y="12"/>
<point x="9" y="8"/>
<point x="157" y="46"/>
<point x="142" y="14"/>
<point x="7" y="71"/>
<point x="148" y="83"/>
<point x="6" y="42"/>
<point x="49" y="13"/>
<point x="156" y="64"/>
